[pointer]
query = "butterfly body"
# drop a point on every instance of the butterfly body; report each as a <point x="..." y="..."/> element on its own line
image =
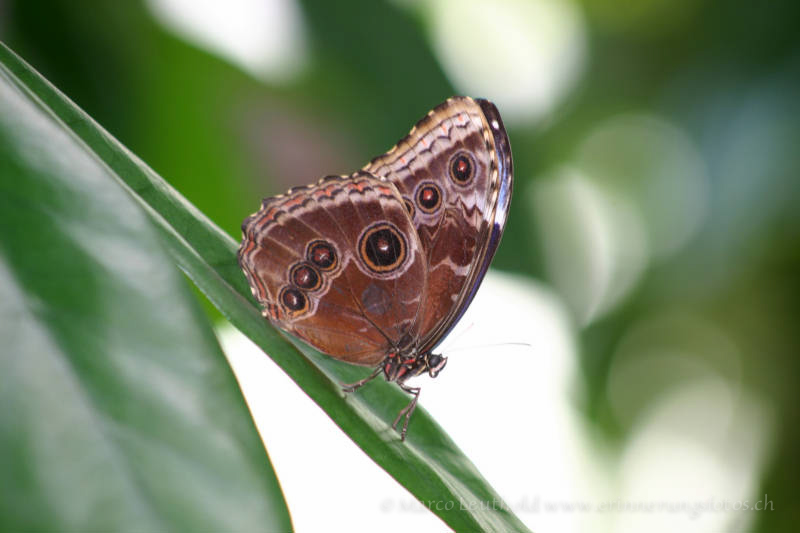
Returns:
<point x="376" y="268"/>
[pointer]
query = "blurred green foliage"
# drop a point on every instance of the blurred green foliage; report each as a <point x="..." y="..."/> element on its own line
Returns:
<point x="726" y="73"/>
<point x="114" y="390"/>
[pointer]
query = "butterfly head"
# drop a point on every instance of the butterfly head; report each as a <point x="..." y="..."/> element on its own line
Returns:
<point x="401" y="366"/>
<point x="434" y="363"/>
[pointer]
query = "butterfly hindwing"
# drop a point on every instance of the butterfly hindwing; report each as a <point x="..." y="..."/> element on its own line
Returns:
<point x="338" y="264"/>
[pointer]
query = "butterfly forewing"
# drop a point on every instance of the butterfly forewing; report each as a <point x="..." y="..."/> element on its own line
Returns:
<point x="450" y="170"/>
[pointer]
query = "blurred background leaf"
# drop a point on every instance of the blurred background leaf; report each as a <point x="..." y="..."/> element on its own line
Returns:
<point x="655" y="160"/>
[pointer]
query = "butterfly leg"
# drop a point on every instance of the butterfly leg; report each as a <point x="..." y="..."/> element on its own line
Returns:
<point x="407" y="410"/>
<point x="351" y="387"/>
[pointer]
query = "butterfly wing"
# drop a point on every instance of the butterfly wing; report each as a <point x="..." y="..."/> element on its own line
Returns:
<point x="338" y="264"/>
<point x="454" y="173"/>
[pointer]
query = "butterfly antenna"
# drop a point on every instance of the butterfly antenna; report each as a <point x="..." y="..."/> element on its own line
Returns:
<point x="491" y="345"/>
<point x="453" y="340"/>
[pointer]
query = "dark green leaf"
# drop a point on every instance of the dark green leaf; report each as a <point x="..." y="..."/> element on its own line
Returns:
<point x="428" y="463"/>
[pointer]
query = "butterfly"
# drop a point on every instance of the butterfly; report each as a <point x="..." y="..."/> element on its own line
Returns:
<point x="375" y="268"/>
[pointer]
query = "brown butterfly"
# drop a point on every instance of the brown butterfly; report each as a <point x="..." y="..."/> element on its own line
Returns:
<point x="377" y="267"/>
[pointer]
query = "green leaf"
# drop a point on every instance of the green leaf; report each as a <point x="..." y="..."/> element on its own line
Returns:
<point x="118" y="410"/>
<point x="428" y="463"/>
